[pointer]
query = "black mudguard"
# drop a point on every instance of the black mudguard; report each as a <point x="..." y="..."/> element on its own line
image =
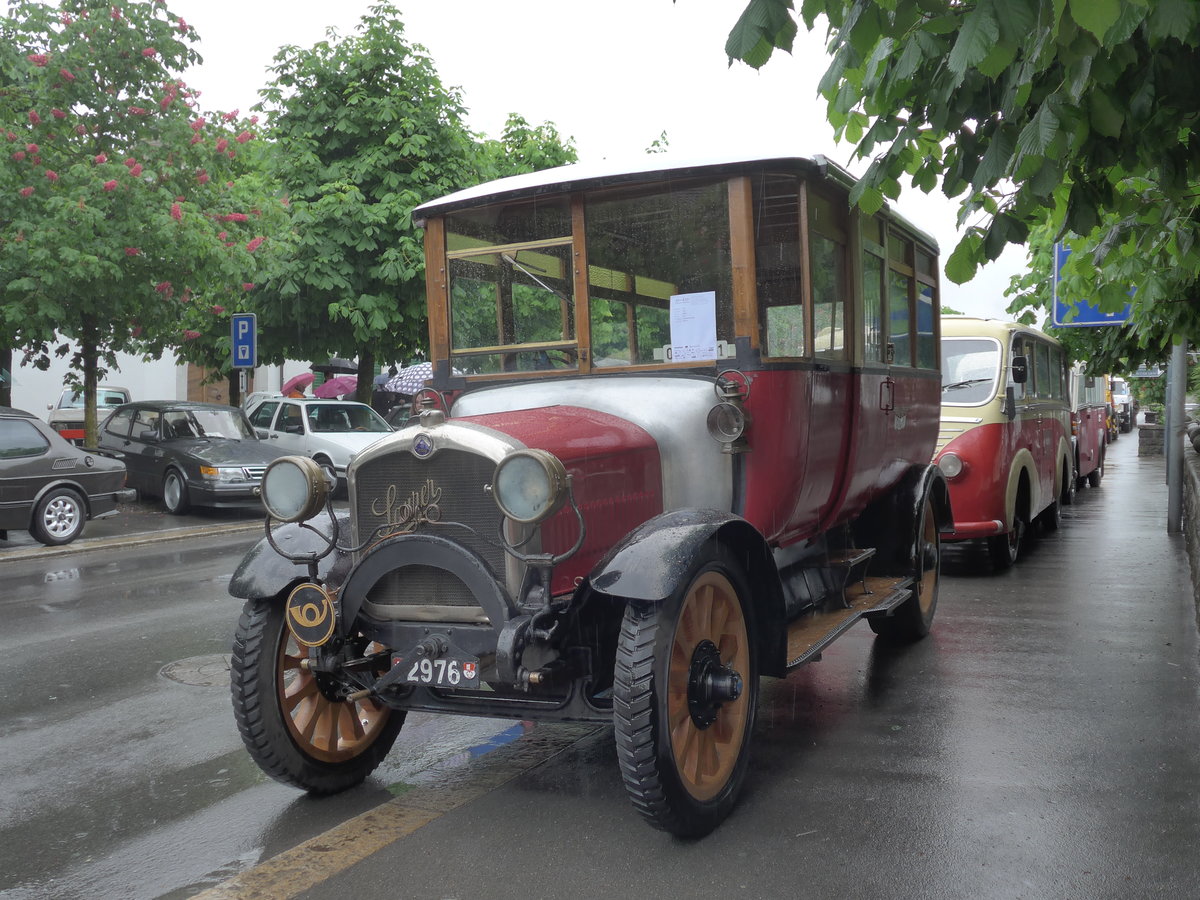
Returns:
<point x="264" y="573"/>
<point x="889" y="523"/>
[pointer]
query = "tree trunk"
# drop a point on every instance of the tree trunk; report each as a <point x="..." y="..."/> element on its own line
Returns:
<point x="87" y="356"/>
<point x="6" y="356"/>
<point x="366" y="375"/>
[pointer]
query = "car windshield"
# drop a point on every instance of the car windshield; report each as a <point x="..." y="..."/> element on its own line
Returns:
<point x="327" y="418"/>
<point x="970" y="367"/>
<point x="207" y="423"/>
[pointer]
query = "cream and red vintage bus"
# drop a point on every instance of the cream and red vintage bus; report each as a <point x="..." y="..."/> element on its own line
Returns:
<point x="1089" y="425"/>
<point x="678" y="437"/>
<point x="1005" y="440"/>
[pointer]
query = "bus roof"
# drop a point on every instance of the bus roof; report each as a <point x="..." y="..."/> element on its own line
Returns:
<point x="646" y="168"/>
<point x="974" y="326"/>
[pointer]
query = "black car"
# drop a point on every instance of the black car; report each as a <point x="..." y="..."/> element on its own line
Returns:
<point x="189" y="453"/>
<point x="49" y="487"/>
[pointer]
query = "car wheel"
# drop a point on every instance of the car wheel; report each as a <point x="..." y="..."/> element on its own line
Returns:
<point x="1005" y="548"/>
<point x="913" y="618"/>
<point x="175" y="493"/>
<point x="685" y="689"/>
<point x="290" y="725"/>
<point x="58" y="518"/>
<point x="1096" y="474"/>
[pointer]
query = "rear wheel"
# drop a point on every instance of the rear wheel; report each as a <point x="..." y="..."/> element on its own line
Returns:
<point x="58" y="518"/>
<point x="684" y="697"/>
<point x="914" y="617"/>
<point x="1097" y="473"/>
<point x="289" y="720"/>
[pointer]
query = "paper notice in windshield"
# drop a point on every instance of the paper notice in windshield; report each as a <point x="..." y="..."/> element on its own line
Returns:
<point x="694" y="326"/>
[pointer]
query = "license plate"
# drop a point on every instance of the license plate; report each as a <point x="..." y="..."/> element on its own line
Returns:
<point x="452" y="672"/>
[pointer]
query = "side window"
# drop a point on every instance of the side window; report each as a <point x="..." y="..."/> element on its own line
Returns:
<point x="827" y="252"/>
<point x="927" y="306"/>
<point x="290" y="420"/>
<point x="263" y="415"/>
<point x="778" y="266"/>
<point x="872" y="265"/>
<point x="19" y="440"/>
<point x="1045" y="375"/>
<point x="119" y="422"/>
<point x="900" y="299"/>
<point x="145" y="420"/>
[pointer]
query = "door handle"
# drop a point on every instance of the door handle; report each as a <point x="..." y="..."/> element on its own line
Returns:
<point x="887" y="394"/>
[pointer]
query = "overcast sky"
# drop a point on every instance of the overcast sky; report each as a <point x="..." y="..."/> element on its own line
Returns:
<point x="613" y="76"/>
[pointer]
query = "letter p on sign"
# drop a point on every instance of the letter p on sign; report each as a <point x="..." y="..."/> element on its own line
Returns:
<point x="244" y="340"/>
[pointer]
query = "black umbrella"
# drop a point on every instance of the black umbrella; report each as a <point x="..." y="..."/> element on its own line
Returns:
<point x="338" y="366"/>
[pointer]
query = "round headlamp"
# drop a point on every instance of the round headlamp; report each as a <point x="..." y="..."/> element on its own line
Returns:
<point x="726" y="422"/>
<point x="951" y="465"/>
<point x="529" y="485"/>
<point x="294" y="488"/>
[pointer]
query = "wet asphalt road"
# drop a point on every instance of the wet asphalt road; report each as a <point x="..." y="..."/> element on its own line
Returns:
<point x="1044" y="742"/>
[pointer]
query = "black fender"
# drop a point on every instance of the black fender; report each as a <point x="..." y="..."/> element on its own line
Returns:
<point x="889" y="523"/>
<point x="651" y="562"/>
<point x="264" y="573"/>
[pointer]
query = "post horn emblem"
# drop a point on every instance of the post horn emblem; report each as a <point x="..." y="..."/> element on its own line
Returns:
<point x="310" y="615"/>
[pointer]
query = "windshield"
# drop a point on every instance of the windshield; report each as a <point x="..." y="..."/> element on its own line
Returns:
<point x="970" y="370"/>
<point x="333" y="418"/>
<point x="207" y="423"/>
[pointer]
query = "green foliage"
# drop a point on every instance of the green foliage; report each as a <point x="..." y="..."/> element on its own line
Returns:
<point x="1073" y="115"/>
<point x="112" y="182"/>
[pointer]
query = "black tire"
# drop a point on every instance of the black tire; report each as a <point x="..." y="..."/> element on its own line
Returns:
<point x="175" y="493"/>
<point x="58" y="518"/>
<point x="1096" y="474"/>
<point x="913" y="618"/>
<point x="1004" y="549"/>
<point x="683" y="756"/>
<point x="1070" y="486"/>
<point x="1051" y="517"/>
<point x="266" y="679"/>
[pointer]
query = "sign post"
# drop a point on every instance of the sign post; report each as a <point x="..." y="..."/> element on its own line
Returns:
<point x="1086" y="314"/>
<point x="244" y="340"/>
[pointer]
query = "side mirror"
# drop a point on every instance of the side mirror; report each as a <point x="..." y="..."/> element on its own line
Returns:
<point x="1010" y="402"/>
<point x="1020" y="369"/>
<point x="262" y="433"/>
<point x="148" y="436"/>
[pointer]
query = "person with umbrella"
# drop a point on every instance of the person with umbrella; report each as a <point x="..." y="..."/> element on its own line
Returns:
<point x="381" y="398"/>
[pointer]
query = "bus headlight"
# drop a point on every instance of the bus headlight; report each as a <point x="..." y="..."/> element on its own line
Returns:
<point x="529" y="486"/>
<point x="951" y="465"/>
<point x="294" y="489"/>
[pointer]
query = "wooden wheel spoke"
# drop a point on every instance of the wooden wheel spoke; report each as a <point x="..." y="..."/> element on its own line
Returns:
<point x="299" y="690"/>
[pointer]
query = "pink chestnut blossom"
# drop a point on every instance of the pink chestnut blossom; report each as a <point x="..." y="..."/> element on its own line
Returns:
<point x="110" y="185"/>
<point x="66" y="19"/>
<point x="230" y="116"/>
<point x="254" y="244"/>
<point x="51" y="175"/>
<point x="101" y="158"/>
<point x="217" y="310"/>
<point x="138" y="111"/>
<point x="58" y="113"/>
<point x="196" y="138"/>
<point x="135" y="170"/>
<point x="190" y="335"/>
<point x="149" y="51"/>
<point x="38" y="59"/>
<point x="221" y="145"/>
<point x="247" y="285"/>
<point x="19" y="155"/>
<point x="223" y="235"/>
<point x="34" y="118"/>
<point x="164" y="287"/>
<point x="132" y="251"/>
<point x="202" y="178"/>
<point x="244" y="136"/>
<point x="25" y="191"/>
<point x="66" y="74"/>
<point x="183" y="26"/>
<point x="176" y="212"/>
<point x="32" y="148"/>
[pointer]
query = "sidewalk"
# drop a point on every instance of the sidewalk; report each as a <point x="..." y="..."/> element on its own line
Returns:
<point x="135" y="523"/>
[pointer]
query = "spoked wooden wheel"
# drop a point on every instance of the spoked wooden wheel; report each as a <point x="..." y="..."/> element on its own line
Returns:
<point x="685" y="692"/>
<point x="293" y="725"/>
<point x="1004" y="549"/>
<point x="913" y="619"/>
<point x="329" y="730"/>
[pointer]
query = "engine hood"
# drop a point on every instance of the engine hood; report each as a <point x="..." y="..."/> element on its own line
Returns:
<point x="226" y="452"/>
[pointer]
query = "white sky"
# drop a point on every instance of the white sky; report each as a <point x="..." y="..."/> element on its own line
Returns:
<point x="612" y="75"/>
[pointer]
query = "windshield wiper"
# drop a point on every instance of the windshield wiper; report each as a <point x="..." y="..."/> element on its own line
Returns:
<point x="516" y="265"/>
<point x="960" y="384"/>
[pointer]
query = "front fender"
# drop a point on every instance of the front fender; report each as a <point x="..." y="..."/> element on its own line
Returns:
<point x="264" y="573"/>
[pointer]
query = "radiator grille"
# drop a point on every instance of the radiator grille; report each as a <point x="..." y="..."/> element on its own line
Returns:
<point x="452" y="480"/>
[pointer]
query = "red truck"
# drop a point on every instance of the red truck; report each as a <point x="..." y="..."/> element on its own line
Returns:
<point x="678" y="437"/>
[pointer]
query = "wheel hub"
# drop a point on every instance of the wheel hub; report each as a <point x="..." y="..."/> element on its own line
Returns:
<point x="710" y="684"/>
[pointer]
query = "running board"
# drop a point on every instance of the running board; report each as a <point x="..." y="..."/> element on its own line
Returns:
<point x="808" y="635"/>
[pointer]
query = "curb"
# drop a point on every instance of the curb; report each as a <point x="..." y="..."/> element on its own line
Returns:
<point x="128" y="540"/>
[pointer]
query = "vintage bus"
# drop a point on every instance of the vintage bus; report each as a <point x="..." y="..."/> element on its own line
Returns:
<point x="1089" y="426"/>
<point x="1005" y="439"/>
<point x="678" y="437"/>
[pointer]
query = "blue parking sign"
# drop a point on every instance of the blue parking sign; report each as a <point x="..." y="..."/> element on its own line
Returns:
<point x="244" y="334"/>
<point x="1079" y="313"/>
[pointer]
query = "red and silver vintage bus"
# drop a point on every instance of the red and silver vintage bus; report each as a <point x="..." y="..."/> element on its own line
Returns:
<point x="678" y="437"/>
<point x="1005" y="441"/>
<point x="1089" y="426"/>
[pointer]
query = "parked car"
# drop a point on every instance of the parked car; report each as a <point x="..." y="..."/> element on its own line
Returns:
<point x="678" y="436"/>
<point x="189" y="453"/>
<point x="66" y="417"/>
<point x="1125" y="405"/>
<point x="49" y="487"/>
<point x="329" y="431"/>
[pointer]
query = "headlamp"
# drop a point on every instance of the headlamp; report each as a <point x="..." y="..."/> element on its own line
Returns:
<point x="294" y="488"/>
<point x="951" y="465"/>
<point x="529" y="485"/>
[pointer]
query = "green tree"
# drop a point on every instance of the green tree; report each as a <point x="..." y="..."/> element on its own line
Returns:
<point x="116" y="189"/>
<point x="368" y="132"/>
<point x="1074" y="114"/>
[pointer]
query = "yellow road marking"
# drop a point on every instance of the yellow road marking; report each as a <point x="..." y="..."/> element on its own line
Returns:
<point x="306" y="865"/>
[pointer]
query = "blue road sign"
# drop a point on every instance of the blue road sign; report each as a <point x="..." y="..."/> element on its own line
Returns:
<point x="244" y="332"/>
<point x="1087" y="315"/>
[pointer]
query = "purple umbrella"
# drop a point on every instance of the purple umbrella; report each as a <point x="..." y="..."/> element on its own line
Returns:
<point x="337" y="387"/>
<point x="410" y="379"/>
